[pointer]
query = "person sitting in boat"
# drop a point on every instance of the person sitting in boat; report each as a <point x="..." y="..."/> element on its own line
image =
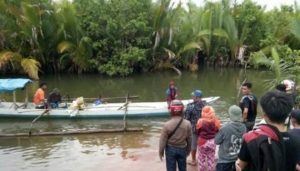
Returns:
<point x="54" y="98"/>
<point x="99" y="101"/>
<point x="171" y="92"/>
<point x="39" y="97"/>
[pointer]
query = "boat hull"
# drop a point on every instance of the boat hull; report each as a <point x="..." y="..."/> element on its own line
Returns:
<point x="105" y="111"/>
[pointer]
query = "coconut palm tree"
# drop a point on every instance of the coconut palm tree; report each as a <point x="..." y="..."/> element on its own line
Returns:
<point x="15" y="62"/>
<point x="37" y="28"/>
<point x="74" y="47"/>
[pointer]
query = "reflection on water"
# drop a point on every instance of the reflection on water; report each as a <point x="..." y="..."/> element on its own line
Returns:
<point x="120" y="151"/>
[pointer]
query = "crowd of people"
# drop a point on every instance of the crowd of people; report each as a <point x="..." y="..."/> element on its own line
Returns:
<point x="242" y="144"/>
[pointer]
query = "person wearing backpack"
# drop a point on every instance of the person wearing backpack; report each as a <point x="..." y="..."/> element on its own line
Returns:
<point x="270" y="147"/>
<point x="175" y="138"/>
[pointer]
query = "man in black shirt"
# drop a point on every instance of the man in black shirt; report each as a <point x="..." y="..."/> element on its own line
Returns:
<point x="248" y="104"/>
<point x="269" y="147"/>
<point x="295" y="119"/>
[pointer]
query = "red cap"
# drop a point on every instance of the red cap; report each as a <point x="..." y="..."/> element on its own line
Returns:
<point x="176" y="107"/>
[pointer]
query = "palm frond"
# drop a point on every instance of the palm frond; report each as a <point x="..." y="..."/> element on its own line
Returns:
<point x="5" y="57"/>
<point x="65" y="46"/>
<point x="189" y="46"/>
<point x="260" y="59"/>
<point x="31" y="67"/>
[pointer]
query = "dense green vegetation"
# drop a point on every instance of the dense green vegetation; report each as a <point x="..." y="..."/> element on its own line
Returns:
<point x="117" y="37"/>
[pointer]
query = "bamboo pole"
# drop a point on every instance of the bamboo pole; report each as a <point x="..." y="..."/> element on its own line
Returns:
<point x="73" y="132"/>
<point x="107" y="98"/>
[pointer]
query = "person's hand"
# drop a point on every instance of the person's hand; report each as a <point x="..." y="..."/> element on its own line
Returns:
<point x="298" y="167"/>
<point x="237" y="166"/>
<point x="161" y="157"/>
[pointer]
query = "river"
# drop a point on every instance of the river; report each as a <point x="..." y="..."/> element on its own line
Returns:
<point x="112" y="151"/>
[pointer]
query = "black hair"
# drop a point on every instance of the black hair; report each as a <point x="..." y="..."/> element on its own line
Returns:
<point x="296" y="115"/>
<point x="281" y="87"/>
<point x="247" y="84"/>
<point x="42" y="84"/>
<point x="276" y="105"/>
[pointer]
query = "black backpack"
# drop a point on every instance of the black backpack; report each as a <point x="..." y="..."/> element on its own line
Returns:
<point x="267" y="154"/>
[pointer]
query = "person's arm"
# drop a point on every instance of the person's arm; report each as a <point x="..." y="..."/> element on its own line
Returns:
<point x="246" y="103"/>
<point x="168" y="92"/>
<point x="240" y="165"/>
<point x="243" y="157"/>
<point x="219" y="137"/>
<point x="189" y="140"/>
<point x="245" y="114"/>
<point x="187" y="114"/>
<point x="163" y="142"/>
<point x="298" y="167"/>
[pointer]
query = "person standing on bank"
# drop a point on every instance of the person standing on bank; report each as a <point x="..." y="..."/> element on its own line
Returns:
<point x="270" y="147"/>
<point x="207" y="127"/>
<point x="192" y="114"/>
<point x="248" y="104"/>
<point x="230" y="140"/>
<point x="175" y="138"/>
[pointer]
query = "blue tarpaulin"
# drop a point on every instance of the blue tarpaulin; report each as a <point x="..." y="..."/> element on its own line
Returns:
<point x="7" y="85"/>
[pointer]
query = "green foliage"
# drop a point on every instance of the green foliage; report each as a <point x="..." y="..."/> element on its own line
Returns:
<point x="124" y="62"/>
<point x="281" y="60"/>
<point x="116" y="37"/>
<point x="120" y="33"/>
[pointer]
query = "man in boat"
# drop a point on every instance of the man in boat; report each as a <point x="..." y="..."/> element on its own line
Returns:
<point x="39" y="97"/>
<point x="99" y="101"/>
<point x="171" y="92"/>
<point x="248" y="104"/>
<point x="175" y="138"/>
<point x="54" y="98"/>
<point x="192" y="114"/>
<point x="270" y="147"/>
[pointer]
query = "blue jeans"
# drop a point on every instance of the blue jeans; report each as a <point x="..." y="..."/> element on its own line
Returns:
<point x="225" y="166"/>
<point x="175" y="155"/>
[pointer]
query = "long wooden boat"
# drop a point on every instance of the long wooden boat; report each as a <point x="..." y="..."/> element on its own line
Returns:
<point x="108" y="110"/>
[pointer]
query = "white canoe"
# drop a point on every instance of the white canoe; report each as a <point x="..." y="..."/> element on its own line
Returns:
<point x="109" y="110"/>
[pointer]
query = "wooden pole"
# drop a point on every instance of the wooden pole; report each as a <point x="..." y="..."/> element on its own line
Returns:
<point x="239" y="91"/>
<point x="26" y="97"/>
<point x="35" y="119"/>
<point x="125" y="113"/>
<point x="15" y="99"/>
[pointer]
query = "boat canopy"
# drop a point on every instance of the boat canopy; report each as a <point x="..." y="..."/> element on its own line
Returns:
<point x="8" y="85"/>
